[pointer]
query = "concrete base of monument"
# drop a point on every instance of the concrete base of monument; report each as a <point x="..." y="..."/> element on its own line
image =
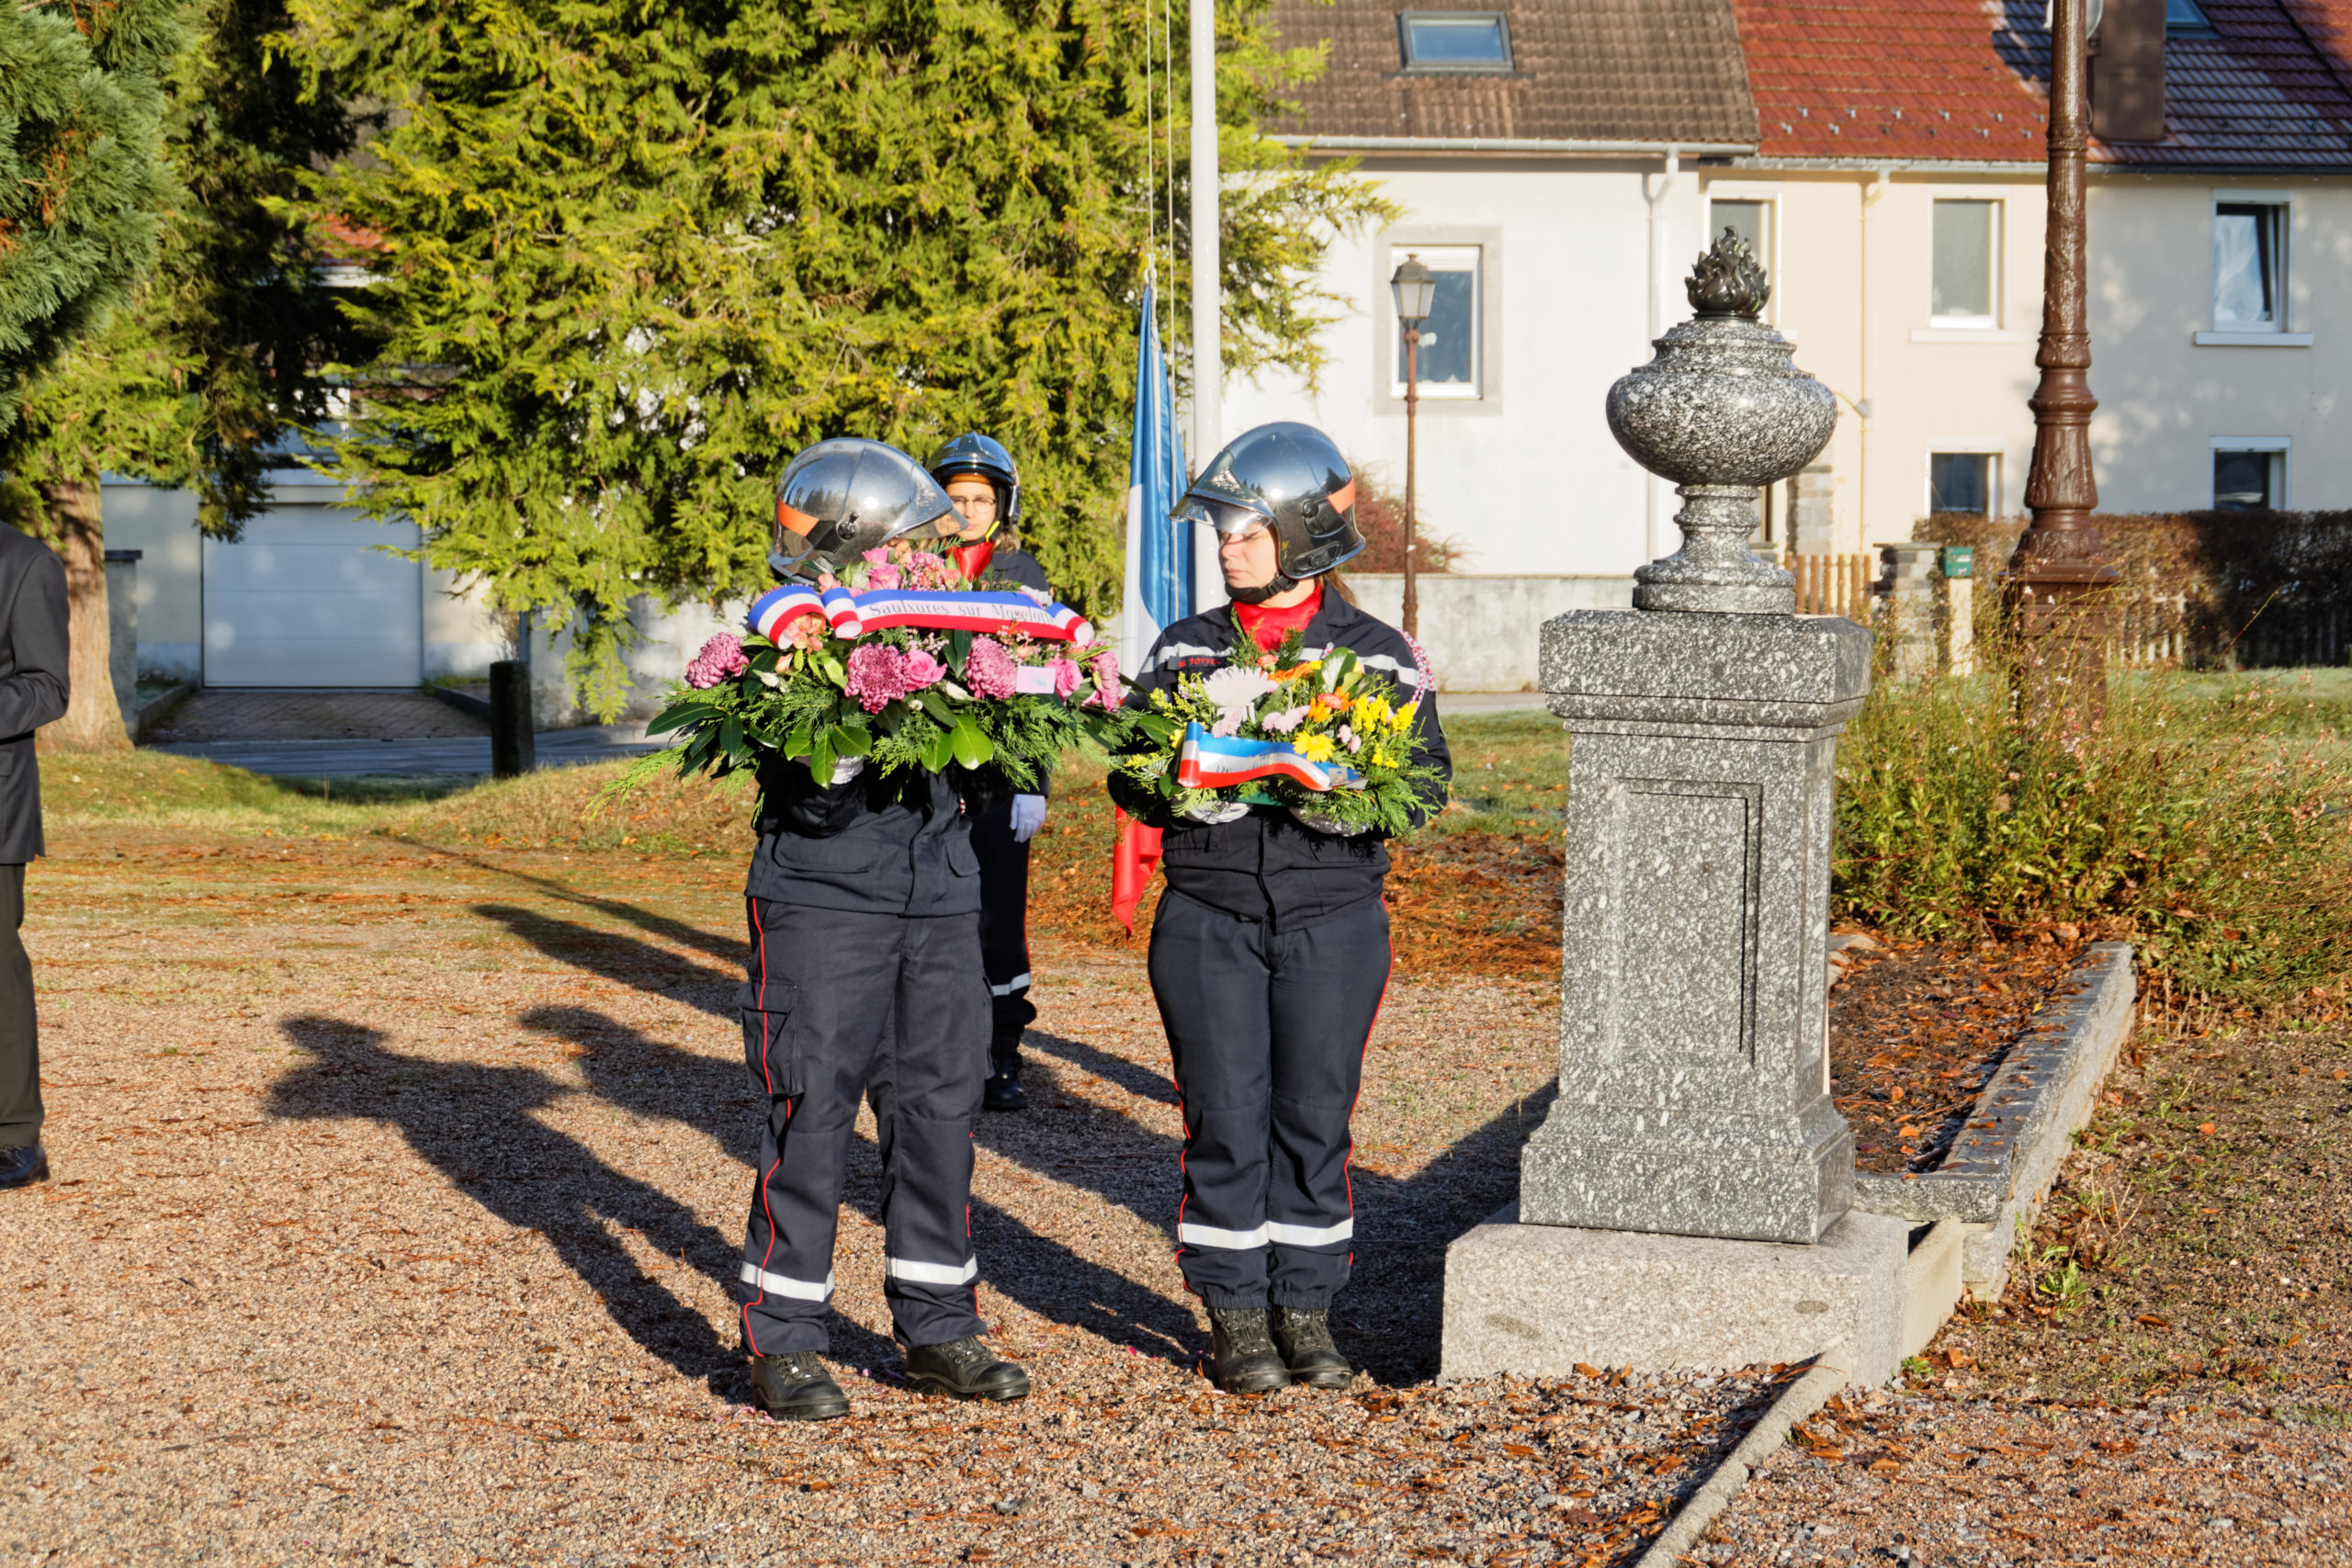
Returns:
<point x="1538" y="1299"/>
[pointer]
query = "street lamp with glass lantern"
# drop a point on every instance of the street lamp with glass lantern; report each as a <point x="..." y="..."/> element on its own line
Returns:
<point x="1414" y="287"/>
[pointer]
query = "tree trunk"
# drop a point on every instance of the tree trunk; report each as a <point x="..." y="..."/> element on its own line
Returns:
<point x="92" y="720"/>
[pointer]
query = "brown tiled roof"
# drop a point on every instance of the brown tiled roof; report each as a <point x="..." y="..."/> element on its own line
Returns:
<point x="1966" y="80"/>
<point x="1583" y="70"/>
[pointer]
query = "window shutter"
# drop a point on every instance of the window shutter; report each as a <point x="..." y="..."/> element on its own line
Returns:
<point x="2128" y="72"/>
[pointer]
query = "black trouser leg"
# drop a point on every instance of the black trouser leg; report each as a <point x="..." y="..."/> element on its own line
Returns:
<point x="1267" y="1029"/>
<point x="926" y="1093"/>
<point x="20" y="1108"/>
<point x="1005" y="934"/>
<point x="836" y="1000"/>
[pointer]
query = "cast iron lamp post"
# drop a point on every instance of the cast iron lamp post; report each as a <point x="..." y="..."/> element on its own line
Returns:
<point x="1414" y="287"/>
<point x="2058" y="570"/>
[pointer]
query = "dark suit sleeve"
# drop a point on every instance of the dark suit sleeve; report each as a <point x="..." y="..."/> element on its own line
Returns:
<point x="36" y="629"/>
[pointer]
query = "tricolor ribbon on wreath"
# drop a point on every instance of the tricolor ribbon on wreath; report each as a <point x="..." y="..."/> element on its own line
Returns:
<point x="853" y="614"/>
<point x="1215" y="762"/>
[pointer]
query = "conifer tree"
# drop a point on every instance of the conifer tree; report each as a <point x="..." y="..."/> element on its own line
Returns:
<point x="83" y="182"/>
<point x="633" y="254"/>
<point x="197" y="375"/>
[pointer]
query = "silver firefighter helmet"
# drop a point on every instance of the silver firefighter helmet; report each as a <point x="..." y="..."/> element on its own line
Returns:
<point x="972" y="453"/>
<point x="845" y="496"/>
<point x="1291" y="478"/>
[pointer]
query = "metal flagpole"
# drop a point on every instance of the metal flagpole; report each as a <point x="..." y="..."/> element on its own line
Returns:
<point x="1208" y="347"/>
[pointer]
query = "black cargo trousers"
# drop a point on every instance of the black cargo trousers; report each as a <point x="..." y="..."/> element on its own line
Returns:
<point x="1005" y="932"/>
<point x="841" y="1006"/>
<point x="1267" y="1028"/>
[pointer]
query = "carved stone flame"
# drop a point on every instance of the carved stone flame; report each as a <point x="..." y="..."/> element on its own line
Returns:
<point x="1729" y="281"/>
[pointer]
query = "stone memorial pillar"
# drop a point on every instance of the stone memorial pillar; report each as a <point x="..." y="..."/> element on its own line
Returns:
<point x="1686" y="1201"/>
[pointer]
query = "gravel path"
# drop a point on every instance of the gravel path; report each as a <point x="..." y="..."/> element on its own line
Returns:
<point x="398" y="1192"/>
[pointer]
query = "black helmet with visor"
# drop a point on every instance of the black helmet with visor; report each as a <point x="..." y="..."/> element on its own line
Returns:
<point x="972" y="453"/>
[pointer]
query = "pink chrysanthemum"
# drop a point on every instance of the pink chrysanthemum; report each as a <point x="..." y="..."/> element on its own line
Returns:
<point x="1065" y="677"/>
<point x="987" y="669"/>
<point x="878" y="676"/>
<point x="721" y="659"/>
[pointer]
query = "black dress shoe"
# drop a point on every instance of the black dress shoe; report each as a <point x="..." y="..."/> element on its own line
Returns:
<point x="967" y="1368"/>
<point x="1305" y="1340"/>
<point x="1002" y="1092"/>
<point x="1243" y="1352"/>
<point x="22" y="1167"/>
<point x="795" y="1386"/>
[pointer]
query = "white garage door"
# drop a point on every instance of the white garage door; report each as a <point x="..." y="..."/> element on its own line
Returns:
<point x="302" y="599"/>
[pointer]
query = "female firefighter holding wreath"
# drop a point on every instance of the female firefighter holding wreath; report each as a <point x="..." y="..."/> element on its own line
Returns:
<point x="1270" y="952"/>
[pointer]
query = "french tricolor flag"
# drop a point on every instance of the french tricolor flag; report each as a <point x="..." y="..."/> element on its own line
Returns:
<point x="779" y="607"/>
<point x="965" y="612"/>
<point x="1215" y="762"/>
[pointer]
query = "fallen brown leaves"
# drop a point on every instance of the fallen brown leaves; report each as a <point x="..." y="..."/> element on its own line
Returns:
<point x="1916" y="1032"/>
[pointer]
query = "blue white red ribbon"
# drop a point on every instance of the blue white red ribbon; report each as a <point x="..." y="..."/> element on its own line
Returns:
<point x="1214" y="761"/>
<point x="853" y="614"/>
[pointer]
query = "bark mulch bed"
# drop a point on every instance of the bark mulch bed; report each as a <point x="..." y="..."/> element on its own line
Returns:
<point x="2169" y="1376"/>
<point x="399" y="1195"/>
<point x="1916" y="1030"/>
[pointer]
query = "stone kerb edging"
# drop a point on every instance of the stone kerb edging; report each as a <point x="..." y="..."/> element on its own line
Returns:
<point x="2006" y="1159"/>
<point x="1831" y="1372"/>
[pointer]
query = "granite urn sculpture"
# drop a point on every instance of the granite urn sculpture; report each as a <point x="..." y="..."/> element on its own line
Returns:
<point x="1694" y="1094"/>
<point x="1688" y="1200"/>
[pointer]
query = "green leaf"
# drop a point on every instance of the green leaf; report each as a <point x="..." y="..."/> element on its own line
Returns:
<point x="799" y="742"/>
<point x="820" y="764"/>
<point x="937" y="706"/>
<point x="852" y="740"/>
<point x="959" y="648"/>
<point x="938" y="750"/>
<point x="971" y="746"/>
<point x="678" y="717"/>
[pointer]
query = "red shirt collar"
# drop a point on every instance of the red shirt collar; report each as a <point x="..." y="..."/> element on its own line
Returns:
<point x="1269" y="626"/>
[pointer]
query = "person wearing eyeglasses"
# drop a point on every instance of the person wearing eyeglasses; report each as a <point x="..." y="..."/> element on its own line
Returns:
<point x="985" y="487"/>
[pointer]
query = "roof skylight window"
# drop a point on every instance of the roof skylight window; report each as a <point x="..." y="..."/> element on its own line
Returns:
<point x="1454" y="41"/>
<point x="2184" y="16"/>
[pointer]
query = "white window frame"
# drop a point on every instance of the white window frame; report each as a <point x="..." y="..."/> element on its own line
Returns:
<point x="1438" y="393"/>
<point x="1995" y="498"/>
<point x="1506" y="66"/>
<point x="1995" y="285"/>
<point x="2279" y="333"/>
<point x="1769" y="196"/>
<point x="2278" y="446"/>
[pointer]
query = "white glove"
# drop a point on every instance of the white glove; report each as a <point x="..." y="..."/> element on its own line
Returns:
<point x="1317" y="822"/>
<point x="1028" y="816"/>
<point x="1216" y="811"/>
<point x="847" y="769"/>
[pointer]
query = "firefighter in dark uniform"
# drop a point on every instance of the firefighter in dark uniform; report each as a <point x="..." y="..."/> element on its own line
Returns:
<point x="1270" y="952"/>
<point x="864" y="982"/>
<point x="979" y="477"/>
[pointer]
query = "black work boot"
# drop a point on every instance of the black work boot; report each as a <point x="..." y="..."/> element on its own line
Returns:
<point x="1304" y="1338"/>
<point x="1244" y="1354"/>
<point x="795" y="1386"/>
<point x="967" y="1368"/>
<point x="1002" y="1091"/>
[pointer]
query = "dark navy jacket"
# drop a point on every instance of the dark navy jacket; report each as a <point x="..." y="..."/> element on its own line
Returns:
<point x="1267" y="867"/>
<point x="898" y="847"/>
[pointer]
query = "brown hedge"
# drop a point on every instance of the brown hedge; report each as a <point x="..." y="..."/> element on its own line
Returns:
<point x="2242" y="590"/>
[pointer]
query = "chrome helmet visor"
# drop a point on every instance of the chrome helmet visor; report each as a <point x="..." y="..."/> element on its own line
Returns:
<point x="1227" y="516"/>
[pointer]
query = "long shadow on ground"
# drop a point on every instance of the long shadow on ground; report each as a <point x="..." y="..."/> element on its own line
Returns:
<point x="1391" y="1313"/>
